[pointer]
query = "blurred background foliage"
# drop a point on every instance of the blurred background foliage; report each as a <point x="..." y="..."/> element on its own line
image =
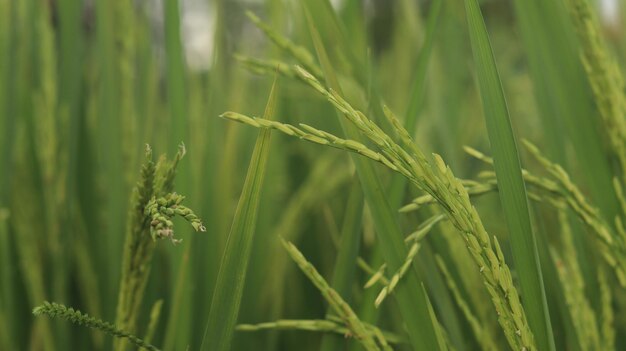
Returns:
<point x="84" y="85"/>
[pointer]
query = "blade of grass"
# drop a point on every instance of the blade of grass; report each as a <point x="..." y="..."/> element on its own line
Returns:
<point x="511" y="185"/>
<point x="232" y="273"/>
<point x="409" y="295"/>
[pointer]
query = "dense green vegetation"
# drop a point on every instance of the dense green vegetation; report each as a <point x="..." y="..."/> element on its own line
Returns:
<point x="406" y="175"/>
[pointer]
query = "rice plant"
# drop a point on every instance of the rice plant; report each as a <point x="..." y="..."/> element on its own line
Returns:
<point x="348" y="175"/>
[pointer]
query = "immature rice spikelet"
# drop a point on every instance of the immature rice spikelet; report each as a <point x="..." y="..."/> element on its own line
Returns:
<point x="53" y="310"/>
<point x="161" y="211"/>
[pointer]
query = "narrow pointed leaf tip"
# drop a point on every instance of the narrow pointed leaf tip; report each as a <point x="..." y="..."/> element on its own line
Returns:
<point x="234" y="264"/>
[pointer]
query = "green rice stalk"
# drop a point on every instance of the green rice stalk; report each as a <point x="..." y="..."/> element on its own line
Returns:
<point x="340" y="307"/>
<point x="482" y="335"/>
<point x="55" y="310"/>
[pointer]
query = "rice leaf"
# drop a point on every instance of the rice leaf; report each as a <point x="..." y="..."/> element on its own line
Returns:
<point x="232" y="273"/>
<point x="512" y="190"/>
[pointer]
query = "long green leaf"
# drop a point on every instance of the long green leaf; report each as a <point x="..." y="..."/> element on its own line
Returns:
<point x="511" y="185"/>
<point x="409" y="294"/>
<point x="232" y="273"/>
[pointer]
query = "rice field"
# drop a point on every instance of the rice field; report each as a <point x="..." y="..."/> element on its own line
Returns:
<point x="312" y="175"/>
